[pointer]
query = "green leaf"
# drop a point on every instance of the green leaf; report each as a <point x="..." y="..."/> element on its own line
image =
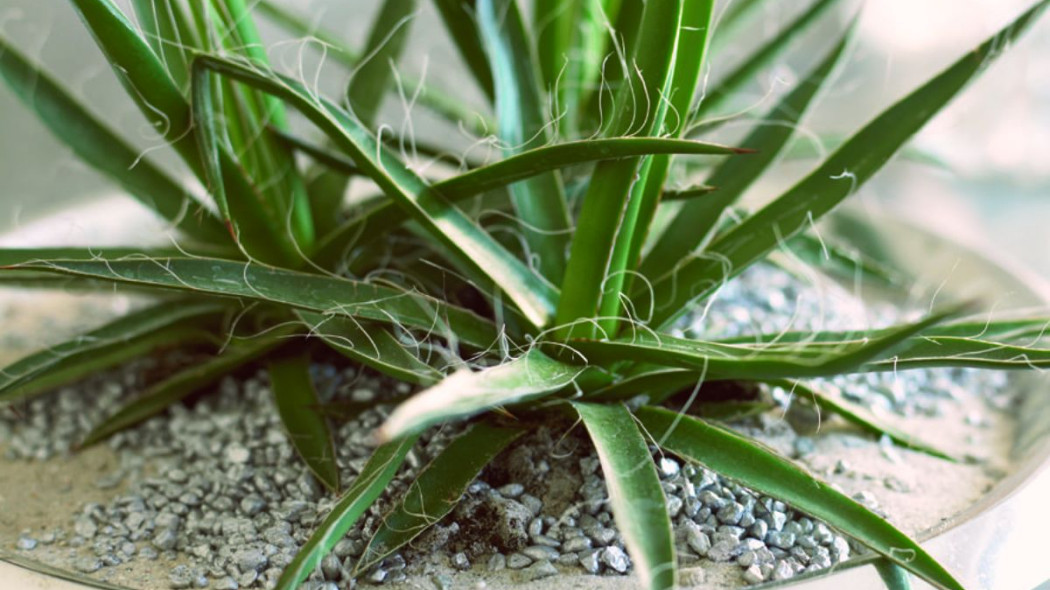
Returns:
<point x="686" y="194"/>
<point x="328" y="295"/>
<point x="861" y="417"/>
<point x="474" y="249"/>
<point x="570" y="153"/>
<point x="374" y="478"/>
<point x="524" y="123"/>
<point x="466" y="393"/>
<point x="980" y="344"/>
<point x="733" y="17"/>
<point x="334" y="161"/>
<point x="10" y="257"/>
<point x="267" y="161"/>
<point x="741" y="459"/>
<point x="635" y="494"/>
<point x="894" y="576"/>
<point x="690" y="55"/>
<point x="245" y="228"/>
<point x="99" y="147"/>
<point x="139" y="69"/>
<point x="125" y="338"/>
<point x="167" y="31"/>
<point x="616" y="67"/>
<point x="714" y="100"/>
<point x="437" y="490"/>
<point x="458" y="16"/>
<point x="1012" y="328"/>
<point x="378" y="221"/>
<point x="187" y="382"/>
<point x="599" y="224"/>
<point x="730" y="411"/>
<point x="947" y="351"/>
<point x="816" y="147"/>
<point x="554" y="22"/>
<point x="441" y="103"/>
<point x="160" y="101"/>
<point x="740" y="361"/>
<point x="696" y="221"/>
<point x="843" y="263"/>
<point x="654" y="381"/>
<point x="372" y="345"/>
<point x="573" y="74"/>
<point x="374" y="76"/>
<point x="837" y="178"/>
<point x="297" y="405"/>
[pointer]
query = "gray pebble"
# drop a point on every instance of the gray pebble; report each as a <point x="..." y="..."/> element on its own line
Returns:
<point x="226" y="583"/>
<point x="249" y="560"/>
<point x="722" y="551"/>
<point x="546" y="541"/>
<point x="85" y="527"/>
<point x="711" y="500"/>
<point x="343" y="549"/>
<point x="576" y="544"/>
<point x="516" y="561"/>
<point x="535" y="527"/>
<point x="780" y="539"/>
<point x="674" y="506"/>
<point x="589" y="561"/>
<point x="776" y="521"/>
<point x="330" y="567"/>
<point x="247" y="578"/>
<point x="168" y="520"/>
<point x="511" y="490"/>
<point x="759" y="529"/>
<point x="252" y="505"/>
<point x="237" y="454"/>
<point x="539" y="570"/>
<point x="668" y="467"/>
<point x="460" y="561"/>
<point x="497" y="562"/>
<point x="783" y="570"/>
<point x="110" y="559"/>
<point x="541" y="553"/>
<point x="534" y="504"/>
<point x="839" y="549"/>
<point x="25" y="543"/>
<point x="697" y="540"/>
<point x="731" y="513"/>
<point x="88" y="564"/>
<point x="377" y="576"/>
<point x="603" y="536"/>
<point x="180" y="577"/>
<point x="165" y="539"/>
<point x="615" y="558"/>
<point x="753" y="574"/>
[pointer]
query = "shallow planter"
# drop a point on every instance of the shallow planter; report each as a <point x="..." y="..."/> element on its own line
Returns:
<point x="996" y="543"/>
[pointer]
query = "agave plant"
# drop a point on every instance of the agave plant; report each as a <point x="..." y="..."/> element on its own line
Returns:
<point x="593" y="107"/>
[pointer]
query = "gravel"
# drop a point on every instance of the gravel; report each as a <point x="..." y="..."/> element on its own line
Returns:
<point x="26" y="543"/>
<point x="218" y="484"/>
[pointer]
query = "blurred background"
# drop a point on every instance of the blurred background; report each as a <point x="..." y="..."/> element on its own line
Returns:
<point x="984" y="175"/>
